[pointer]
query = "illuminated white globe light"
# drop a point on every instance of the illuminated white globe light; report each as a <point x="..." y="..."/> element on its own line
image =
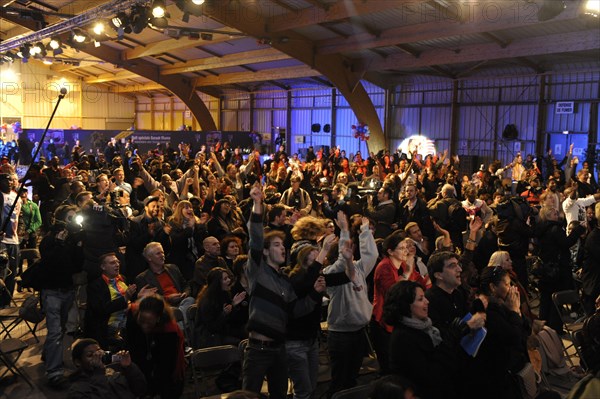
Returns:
<point x="198" y="2"/>
<point x="423" y="145"/>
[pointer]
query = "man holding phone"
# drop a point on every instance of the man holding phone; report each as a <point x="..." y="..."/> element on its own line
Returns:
<point x="93" y="380"/>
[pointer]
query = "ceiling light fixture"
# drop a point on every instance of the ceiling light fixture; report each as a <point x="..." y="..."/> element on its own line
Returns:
<point x="55" y="43"/>
<point x="159" y="10"/>
<point x="98" y="28"/>
<point x="592" y="7"/>
<point x="190" y="8"/>
<point x="139" y="18"/>
<point x="550" y="9"/>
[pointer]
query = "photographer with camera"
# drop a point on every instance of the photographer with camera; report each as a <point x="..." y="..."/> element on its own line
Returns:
<point x="105" y="227"/>
<point x="93" y="379"/>
<point x="61" y="257"/>
<point x="296" y="198"/>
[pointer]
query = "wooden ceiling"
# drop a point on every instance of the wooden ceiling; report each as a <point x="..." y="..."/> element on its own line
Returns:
<point x="247" y="45"/>
<point x="287" y="43"/>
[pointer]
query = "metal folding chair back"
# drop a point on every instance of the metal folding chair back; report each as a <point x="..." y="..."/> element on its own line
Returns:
<point x="209" y="361"/>
<point x="29" y="312"/>
<point x="191" y="326"/>
<point x="568" y="304"/>
<point x="10" y="351"/>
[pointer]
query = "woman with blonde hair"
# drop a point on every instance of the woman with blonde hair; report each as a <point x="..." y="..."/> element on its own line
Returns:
<point x="186" y="235"/>
<point x="307" y="230"/>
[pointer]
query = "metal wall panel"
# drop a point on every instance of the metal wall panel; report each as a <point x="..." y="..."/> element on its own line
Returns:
<point x="519" y="89"/>
<point x="243" y="120"/>
<point x="476" y="130"/>
<point x="405" y="122"/>
<point x="264" y="103"/>
<point x="300" y="126"/>
<point x="579" y="121"/>
<point x="262" y="121"/>
<point x="229" y="120"/>
<point x="524" y="117"/>
<point x="435" y="122"/>
<point x="477" y="91"/>
<point x="280" y="118"/>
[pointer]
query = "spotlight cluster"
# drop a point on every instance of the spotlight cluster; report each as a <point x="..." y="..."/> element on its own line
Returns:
<point x="152" y="13"/>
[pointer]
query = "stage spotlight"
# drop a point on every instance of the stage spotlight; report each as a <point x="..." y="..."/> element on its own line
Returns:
<point x="55" y="43"/>
<point x="9" y="57"/>
<point x="23" y="51"/>
<point x="190" y="8"/>
<point x="592" y="7"/>
<point x="98" y="28"/>
<point x="550" y="9"/>
<point x="159" y="10"/>
<point x="139" y="18"/>
<point x="161" y="22"/>
<point x="79" y="36"/>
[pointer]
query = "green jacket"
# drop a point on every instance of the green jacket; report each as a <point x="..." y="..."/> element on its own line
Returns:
<point x="31" y="216"/>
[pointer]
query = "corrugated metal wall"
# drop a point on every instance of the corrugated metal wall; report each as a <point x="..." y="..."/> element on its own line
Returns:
<point x="485" y="107"/>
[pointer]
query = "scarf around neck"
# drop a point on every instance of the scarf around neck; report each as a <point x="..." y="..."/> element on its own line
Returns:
<point x="426" y="326"/>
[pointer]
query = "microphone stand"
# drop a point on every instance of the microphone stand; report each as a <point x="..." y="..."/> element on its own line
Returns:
<point x="63" y="93"/>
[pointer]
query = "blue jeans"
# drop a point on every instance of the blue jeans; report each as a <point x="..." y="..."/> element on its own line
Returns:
<point x="346" y="351"/>
<point x="11" y="272"/>
<point x="56" y="305"/>
<point x="270" y="361"/>
<point x="303" y="366"/>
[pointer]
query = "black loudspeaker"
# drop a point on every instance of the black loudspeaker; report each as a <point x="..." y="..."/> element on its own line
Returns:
<point x="510" y="132"/>
<point x="468" y="165"/>
<point x="316" y="127"/>
<point x="327" y="128"/>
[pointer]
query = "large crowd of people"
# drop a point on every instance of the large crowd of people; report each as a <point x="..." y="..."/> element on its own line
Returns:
<point x="401" y="253"/>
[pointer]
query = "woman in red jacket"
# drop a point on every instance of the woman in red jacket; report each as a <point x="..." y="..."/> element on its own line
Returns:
<point x="387" y="273"/>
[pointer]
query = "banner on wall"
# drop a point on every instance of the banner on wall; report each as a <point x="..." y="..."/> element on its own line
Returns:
<point x="146" y="140"/>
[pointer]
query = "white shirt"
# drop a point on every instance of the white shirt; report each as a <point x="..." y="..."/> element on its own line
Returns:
<point x="575" y="209"/>
<point x="10" y="236"/>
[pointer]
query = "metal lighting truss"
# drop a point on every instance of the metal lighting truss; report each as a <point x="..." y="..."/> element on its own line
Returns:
<point x="106" y="10"/>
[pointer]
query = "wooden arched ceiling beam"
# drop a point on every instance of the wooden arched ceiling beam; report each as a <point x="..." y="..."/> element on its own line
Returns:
<point x="180" y="86"/>
<point x="346" y="76"/>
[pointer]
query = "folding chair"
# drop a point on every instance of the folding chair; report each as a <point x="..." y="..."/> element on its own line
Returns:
<point x="207" y="362"/>
<point x="10" y="351"/>
<point x="191" y="325"/>
<point x="577" y="342"/>
<point x="359" y="392"/>
<point x="28" y="312"/>
<point x="568" y="304"/>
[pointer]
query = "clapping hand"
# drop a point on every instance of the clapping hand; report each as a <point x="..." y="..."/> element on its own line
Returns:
<point x="239" y="298"/>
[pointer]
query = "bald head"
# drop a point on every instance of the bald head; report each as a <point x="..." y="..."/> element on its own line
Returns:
<point x="211" y="246"/>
